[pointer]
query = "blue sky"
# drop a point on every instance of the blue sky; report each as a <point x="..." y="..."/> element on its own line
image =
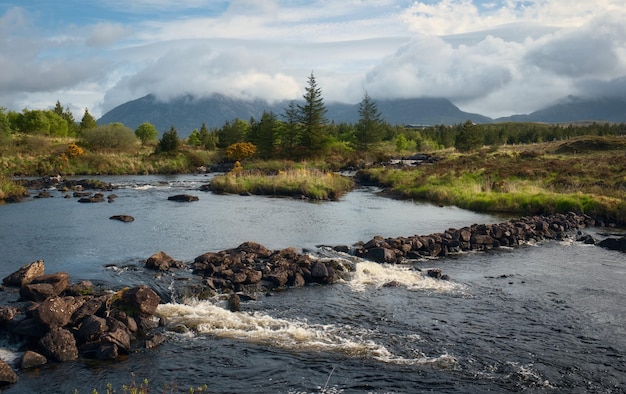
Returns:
<point x="494" y="57"/>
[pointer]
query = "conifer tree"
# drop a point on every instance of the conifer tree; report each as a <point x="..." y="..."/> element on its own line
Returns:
<point x="169" y="142"/>
<point x="291" y="131"/>
<point x="87" y="122"/>
<point x="369" y="128"/>
<point x="311" y="116"/>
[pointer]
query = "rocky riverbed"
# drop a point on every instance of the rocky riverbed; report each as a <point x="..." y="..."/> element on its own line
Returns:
<point x="58" y="321"/>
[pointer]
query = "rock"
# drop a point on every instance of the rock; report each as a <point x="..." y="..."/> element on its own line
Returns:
<point x="98" y="197"/>
<point x="29" y="328"/>
<point x="82" y="288"/>
<point x="183" y="198"/>
<point x="142" y="299"/>
<point x="59" y="345"/>
<point x="434" y="273"/>
<point x="45" y="286"/>
<point x="614" y="244"/>
<point x="32" y="359"/>
<point x="57" y="311"/>
<point x="25" y="274"/>
<point x="91" y="329"/>
<point x="118" y="335"/>
<point x="255" y="249"/>
<point x="7" y="313"/>
<point x="381" y="255"/>
<point x="107" y="351"/>
<point x="91" y="306"/>
<point x="234" y="303"/>
<point x="161" y="261"/>
<point x="43" y="194"/>
<point x="37" y="292"/>
<point x="123" y="218"/>
<point x="7" y="374"/>
<point x="155" y="340"/>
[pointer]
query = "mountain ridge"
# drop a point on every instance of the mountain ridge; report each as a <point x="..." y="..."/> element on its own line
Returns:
<point x="187" y="113"/>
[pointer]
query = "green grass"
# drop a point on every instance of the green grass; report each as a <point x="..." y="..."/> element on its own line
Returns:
<point x="521" y="181"/>
<point x="10" y="189"/>
<point x="313" y="184"/>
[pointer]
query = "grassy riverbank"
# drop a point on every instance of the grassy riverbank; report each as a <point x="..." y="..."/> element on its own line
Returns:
<point x="586" y="175"/>
<point x="310" y="183"/>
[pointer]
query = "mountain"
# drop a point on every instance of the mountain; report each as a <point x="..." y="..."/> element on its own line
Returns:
<point x="188" y="113"/>
<point x="576" y="109"/>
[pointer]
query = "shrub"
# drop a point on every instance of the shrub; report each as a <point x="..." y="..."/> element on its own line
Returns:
<point x="111" y="137"/>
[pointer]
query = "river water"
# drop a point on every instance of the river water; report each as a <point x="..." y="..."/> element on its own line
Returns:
<point x="544" y="318"/>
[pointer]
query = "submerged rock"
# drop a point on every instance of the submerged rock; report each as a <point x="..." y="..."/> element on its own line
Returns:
<point x="183" y="198"/>
<point x="123" y="218"/>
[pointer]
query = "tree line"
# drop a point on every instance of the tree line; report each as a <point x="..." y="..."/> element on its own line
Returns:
<point x="302" y="131"/>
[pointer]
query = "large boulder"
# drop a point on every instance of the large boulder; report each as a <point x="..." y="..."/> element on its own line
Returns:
<point x="25" y="274"/>
<point x="45" y="286"/>
<point x="142" y="299"/>
<point x="161" y="261"/>
<point x="59" y="345"/>
<point x="91" y="329"/>
<point x="57" y="311"/>
<point x="381" y="255"/>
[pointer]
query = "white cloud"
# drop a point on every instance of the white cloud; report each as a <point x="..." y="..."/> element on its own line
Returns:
<point x="496" y="58"/>
<point x="105" y="33"/>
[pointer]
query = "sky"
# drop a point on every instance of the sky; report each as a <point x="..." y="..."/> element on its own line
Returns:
<point x="493" y="57"/>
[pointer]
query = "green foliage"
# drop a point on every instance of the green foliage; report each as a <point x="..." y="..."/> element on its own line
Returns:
<point x="208" y="139"/>
<point x="35" y="121"/>
<point x="169" y="142"/>
<point x="369" y="128"/>
<point x="146" y="132"/>
<point x="58" y="125"/>
<point x="9" y="189"/>
<point x="111" y="137"/>
<point x="265" y="136"/>
<point x="5" y="126"/>
<point x="88" y="122"/>
<point x="311" y="117"/>
<point x="231" y="133"/>
<point x="291" y="132"/>
<point x="468" y="137"/>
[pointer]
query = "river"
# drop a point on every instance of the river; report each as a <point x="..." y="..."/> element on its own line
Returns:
<point x="539" y="318"/>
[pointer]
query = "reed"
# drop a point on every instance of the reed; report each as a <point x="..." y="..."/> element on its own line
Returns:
<point x="310" y="183"/>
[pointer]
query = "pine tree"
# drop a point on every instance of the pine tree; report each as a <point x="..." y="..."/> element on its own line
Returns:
<point x="58" y="108"/>
<point x="468" y="137"/>
<point x="311" y="116"/>
<point x="169" y="142"/>
<point x="266" y="135"/>
<point x="291" y="131"/>
<point x="87" y="122"/>
<point x="369" y="128"/>
<point x="71" y="122"/>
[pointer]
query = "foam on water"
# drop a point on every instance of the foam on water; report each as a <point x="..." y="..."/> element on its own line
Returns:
<point x="204" y="317"/>
<point x="379" y="275"/>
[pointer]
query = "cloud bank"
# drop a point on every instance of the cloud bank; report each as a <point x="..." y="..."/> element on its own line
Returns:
<point x="496" y="58"/>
